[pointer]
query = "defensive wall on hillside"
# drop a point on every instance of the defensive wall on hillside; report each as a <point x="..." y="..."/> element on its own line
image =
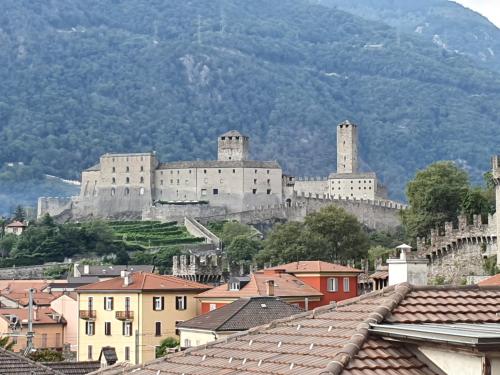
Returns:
<point x="457" y="251"/>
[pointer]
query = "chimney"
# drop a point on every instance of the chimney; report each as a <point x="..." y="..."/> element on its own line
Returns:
<point x="407" y="268"/>
<point x="127" y="279"/>
<point x="270" y="288"/>
<point x="86" y="269"/>
<point x="35" y="313"/>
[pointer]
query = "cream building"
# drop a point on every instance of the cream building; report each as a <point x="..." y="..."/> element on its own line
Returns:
<point x="133" y="314"/>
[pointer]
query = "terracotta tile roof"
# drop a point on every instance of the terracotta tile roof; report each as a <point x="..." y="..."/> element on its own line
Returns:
<point x="39" y="298"/>
<point x="43" y="315"/>
<point x="493" y="280"/>
<point x="379" y="275"/>
<point x="315" y="266"/>
<point x="15" y="364"/>
<point x="22" y="285"/>
<point x="110" y="271"/>
<point x="242" y="314"/>
<point x="332" y="340"/>
<point x="74" y="368"/>
<point x="285" y="285"/>
<point x="145" y="281"/>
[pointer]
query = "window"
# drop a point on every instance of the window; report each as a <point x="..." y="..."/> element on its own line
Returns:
<point x="44" y="340"/>
<point x="220" y="171"/>
<point x="177" y="171"/>
<point x="108" y="303"/>
<point x="254" y="180"/>
<point x="234" y="170"/>
<point x="107" y="328"/>
<point x="267" y="171"/>
<point x="187" y="343"/>
<point x="332" y="284"/>
<point x="171" y="181"/>
<point x="161" y="182"/>
<point x="113" y="180"/>
<point x="268" y="191"/>
<point x="89" y="352"/>
<point x="89" y="328"/>
<point x="212" y="306"/>
<point x="142" y="168"/>
<point x="158" y="303"/>
<point x="180" y="302"/>
<point x="142" y="180"/>
<point x="216" y="191"/>
<point x="171" y="172"/>
<point x="127" y="191"/>
<point x="269" y="181"/>
<point x="114" y="169"/>
<point x="127" y="328"/>
<point x="127" y="180"/>
<point x="203" y="192"/>
<point x="127" y="303"/>
<point x="346" y="284"/>
<point x="127" y="169"/>
<point x="157" y="328"/>
<point x="90" y="303"/>
<point x="190" y="171"/>
<point x="205" y="171"/>
<point x="178" y="181"/>
<point x="256" y="171"/>
<point x="234" y="286"/>
<point x="112" y="192"/>
<point x="127" y="353"/>
<point x="141" y="191"/>
<point x="254" y="191"/>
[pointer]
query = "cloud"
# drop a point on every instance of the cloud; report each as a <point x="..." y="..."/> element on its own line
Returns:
<point x="488" y="8"/>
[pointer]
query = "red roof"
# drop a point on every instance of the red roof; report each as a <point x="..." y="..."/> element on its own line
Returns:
<point x="145" y="281"/>
<point x="285" y="285"/>
<point x="314" y="266"/>
<point x="16" y="224"/>
<point x="494" y="280"/>
<point x="42" y="315"/>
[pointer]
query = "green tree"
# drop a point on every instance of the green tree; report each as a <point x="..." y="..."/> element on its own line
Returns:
<point x="7" y="243"/>
<point x="286" y="243"/>
<point x="476" y="202"/>
<point x="233" y="229"/>
<point x="46" y="355"/>
<point x="6" y="343"/>
<point x="167" y="343"/>
<point x="122" y="257"/>
<point x="243" y="248"/>
<point x="19" y="214"/>
<point x="435" y="195"/>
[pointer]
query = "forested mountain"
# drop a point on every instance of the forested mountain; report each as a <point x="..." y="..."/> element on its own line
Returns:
<point x="78" y="79"/>
<point x="445" y="23"/>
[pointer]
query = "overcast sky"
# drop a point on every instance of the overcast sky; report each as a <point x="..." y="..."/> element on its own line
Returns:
<point x="488" y="8"/>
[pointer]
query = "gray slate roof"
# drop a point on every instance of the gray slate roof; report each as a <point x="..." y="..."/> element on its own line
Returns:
<point x="233" y="133"/>
<point x="242" y="314"/>
<point x="96" y="167"/>
<point x="113" y="271"/>
<point x="15" y="364"/>
<point x="74" y="368"/>
<point x="220" y="164"/>
<point x="352" y="176"/>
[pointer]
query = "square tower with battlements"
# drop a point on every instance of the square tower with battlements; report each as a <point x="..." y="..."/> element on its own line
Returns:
<point x="233" y="146"/>
<point x="347" y="148"/>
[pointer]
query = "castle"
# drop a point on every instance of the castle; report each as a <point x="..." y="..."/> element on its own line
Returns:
<point x="139" y="186"/>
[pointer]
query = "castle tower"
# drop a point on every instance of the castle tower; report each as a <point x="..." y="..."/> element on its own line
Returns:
<point x="233" y="146"/>
<point x="347" y="148"/>
<point x="495" y="161"/>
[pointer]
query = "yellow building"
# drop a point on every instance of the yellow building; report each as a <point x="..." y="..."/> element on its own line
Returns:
<point x="133" y="314"/>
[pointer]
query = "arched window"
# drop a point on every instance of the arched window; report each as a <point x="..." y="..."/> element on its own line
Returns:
<point x="141" y="191"/>
<point x="113" y="192"/>
<point x="127" y="169"/>
<point x="113" y="180"/>
<point x="127" y="180"/>
<point x="142" y="180"/>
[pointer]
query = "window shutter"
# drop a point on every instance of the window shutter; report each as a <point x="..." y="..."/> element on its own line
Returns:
<point x="86" y="328"/>
<point x="123" y="328"/>
<point x="163" y="303"/>
<point x="112" y="303"/>
<point x="177" y="303"/>
<point x="185" y="302"/>
<point x="105" y="303"/>
<point x="154" y="303"/>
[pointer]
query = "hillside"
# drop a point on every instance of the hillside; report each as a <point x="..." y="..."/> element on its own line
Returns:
<point x="81" y="79"/>
<point x="444" y="23"/>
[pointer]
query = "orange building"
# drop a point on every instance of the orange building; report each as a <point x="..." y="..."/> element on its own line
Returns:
<point x="269" y="282"/>
<point x="334" y="281"/>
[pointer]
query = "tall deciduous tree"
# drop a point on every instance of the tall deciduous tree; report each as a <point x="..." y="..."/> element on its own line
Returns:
<point x="19" y="214"/>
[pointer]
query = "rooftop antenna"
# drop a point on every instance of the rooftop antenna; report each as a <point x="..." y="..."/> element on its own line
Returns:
<point x="30" y="334"/>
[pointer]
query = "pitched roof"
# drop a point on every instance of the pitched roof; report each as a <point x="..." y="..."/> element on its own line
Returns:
<point x="43" y="315"/>
<point x="285" y="285"/>
<point x="15" y="364"/>
<point x="493" y="280"/>
<point x="314" y="266"/>
<point x="114" y="270"/>
<point x="39" y="298"/>
<point x="16" y="224"/>
<point x="334" y="339"/>
<point x="23" y="285"/>
<point x="145" y="281"/>
<point x="74" y="368"/>
<point x="242" y="314"/>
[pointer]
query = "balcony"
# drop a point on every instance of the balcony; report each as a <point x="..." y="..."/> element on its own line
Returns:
<point x="125" y="315"/>
<point x="87" y="314"/>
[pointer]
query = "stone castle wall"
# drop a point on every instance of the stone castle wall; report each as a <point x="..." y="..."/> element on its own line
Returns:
<point x="318" y="185"/>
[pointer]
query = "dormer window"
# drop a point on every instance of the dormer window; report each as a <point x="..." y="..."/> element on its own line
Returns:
<point x="234" y="286"/>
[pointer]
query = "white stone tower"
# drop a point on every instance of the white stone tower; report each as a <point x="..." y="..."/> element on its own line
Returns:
<point x="495" y="163"/>
<point x="233" y="146"/>
<point x="347" y="148"/>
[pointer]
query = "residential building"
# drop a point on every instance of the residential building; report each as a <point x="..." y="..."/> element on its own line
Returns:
<point x="334" y="281"/>
<point x="269" y="282"/>
<point x="48" y="326"/>
<point x="133" y="314"/>
<point x="16" y="227"/>
<point x="107" y="271"/>
<point x="237" y="316"/>
<point x="66" y="305"/>
<point x="402" y="329"/>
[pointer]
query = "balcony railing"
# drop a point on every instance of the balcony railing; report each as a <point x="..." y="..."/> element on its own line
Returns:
<point x="124" y="315"/>
<point x="87" y="314"/>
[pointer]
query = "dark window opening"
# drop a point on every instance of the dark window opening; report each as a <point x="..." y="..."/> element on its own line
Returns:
<point x="215" y="192"/>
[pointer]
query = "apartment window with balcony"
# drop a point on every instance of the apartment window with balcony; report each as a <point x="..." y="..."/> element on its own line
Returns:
<point x="127" y="353"/>
<point x="333" y="284"/>
<point x="158" y="303"/>
<point x="127" y="328"/>
<point x="89" y="352"/>
<point x="346" y="284"/>
<point x="157" y="328"/>
<point x="180" y="302"/>
<point x="107" y="328"/>
<point x="108" y="303"/>
<point x="90" y="328"/>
